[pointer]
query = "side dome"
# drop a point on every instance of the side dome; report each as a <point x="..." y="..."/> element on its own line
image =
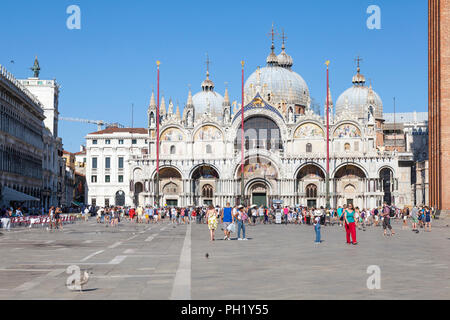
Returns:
<point x="359" y="98"/>
<point x="208" y="101"/>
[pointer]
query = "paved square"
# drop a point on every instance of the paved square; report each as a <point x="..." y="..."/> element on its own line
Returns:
<point x="164" y="261"/>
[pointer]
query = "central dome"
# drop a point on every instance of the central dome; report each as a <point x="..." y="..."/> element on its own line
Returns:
<point x="207" y="100"/>
<point x="278" y="84"/>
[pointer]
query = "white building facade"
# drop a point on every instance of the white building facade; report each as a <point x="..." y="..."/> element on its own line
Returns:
<point x="108" y="153"/>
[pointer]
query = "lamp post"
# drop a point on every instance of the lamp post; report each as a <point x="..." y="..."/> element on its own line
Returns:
<point x="157" y="139"/>
<point x="328" y="141"/>
<point x="242" y="138"/>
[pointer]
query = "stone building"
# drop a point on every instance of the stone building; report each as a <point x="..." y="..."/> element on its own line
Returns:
<point x="284" y="151"/>
<point x="21" y="143"/>
<point x="53" y="175"/>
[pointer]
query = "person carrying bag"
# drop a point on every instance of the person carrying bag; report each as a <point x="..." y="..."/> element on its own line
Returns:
<point x="350" y="227"/>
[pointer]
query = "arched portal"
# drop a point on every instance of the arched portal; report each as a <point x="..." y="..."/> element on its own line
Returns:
<point x="349" y="185"/>
<point x="310" y="179"/>
<point x="259" y="133"/>
<point x="387" y="185"/>
<point x="120" y="198"/>
<point x="262" y="170"/>
<point x="258" y="192"/>
<point x="138" y="188"/>
<point x="204" y="184"/>
<point x="171" y="186"/>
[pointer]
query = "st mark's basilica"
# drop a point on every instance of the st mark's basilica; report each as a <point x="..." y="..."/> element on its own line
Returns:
<point x="285" y="148"/>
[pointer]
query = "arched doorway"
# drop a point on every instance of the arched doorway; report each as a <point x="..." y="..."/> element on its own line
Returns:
<point x="311" y="195"/>
<point x="138" y="188"/>
<point x="262" y="170"/>
<point x="120" y="198"/>
<point x="310" y="179"/>
<point x="387" y="179"/>
<point x="349" y="185"/>
<point x="258" y="193"/>
<point x="170" y="186"/>
<point x="204" y="182"/>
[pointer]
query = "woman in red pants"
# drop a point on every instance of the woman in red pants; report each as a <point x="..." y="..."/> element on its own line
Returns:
<point x="350" y="228"/>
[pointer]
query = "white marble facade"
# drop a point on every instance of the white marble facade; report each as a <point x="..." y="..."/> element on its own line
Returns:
<point x="285" y="156"/>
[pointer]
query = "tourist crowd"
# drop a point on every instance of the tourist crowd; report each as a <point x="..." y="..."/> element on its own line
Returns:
<point x="235" y="219"/>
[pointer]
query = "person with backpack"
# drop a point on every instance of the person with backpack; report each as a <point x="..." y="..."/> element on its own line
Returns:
<point x="387" y="219"/>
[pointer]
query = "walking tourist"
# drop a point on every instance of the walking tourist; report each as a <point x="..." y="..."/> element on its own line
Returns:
<point x="427" y="219"/>
<point x="405" y="219"/>
<point x="286" y="213"/>
<point x="241" y="218"/>
<point x="387" y="219"/>
<point x="86" y="214"/>
<point x="51" y="217"/>
<point x="261" y="211"/>
<point x="414" y="219"/>
<point x="317" y="229"/>
<point x="6" y="220"/>
<point x="211" y="217"/>
<point x="349" y="221"/>
<point x="340" y="212"/>
<point x="227" y="220"/>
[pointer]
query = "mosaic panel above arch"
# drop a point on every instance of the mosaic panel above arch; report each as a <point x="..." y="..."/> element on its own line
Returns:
<point x="208" y="133"/>
<point x="347" y="131"/>
<point x="172" y="134"/>
<point x="258" y="167"/>
<point x="309" y="130"/>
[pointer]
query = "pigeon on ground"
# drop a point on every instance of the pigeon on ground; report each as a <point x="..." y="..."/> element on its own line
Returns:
<point x="207" y="256"/>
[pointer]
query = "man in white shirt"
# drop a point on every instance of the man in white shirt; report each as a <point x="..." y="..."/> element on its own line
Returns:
<point x="86" y="214"/>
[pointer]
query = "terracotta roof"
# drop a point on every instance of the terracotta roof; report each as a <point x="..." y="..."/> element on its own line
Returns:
<point x="80" y="152"/>
<point x="128" y="130"/>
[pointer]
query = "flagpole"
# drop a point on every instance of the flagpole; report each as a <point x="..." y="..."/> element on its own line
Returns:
<point x="242" y="138"/>
<point x="157" y="140"/>
<point x="328" y="140"/>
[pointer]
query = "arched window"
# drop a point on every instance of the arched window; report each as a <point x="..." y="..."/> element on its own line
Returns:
<point x="311" y="191"/>
<point x="260" y="130"/>
<point x="207" y="191"/>
<point x="309" y="147"/>
<point x="172" y="149"/>
<point x="208" y="148"/>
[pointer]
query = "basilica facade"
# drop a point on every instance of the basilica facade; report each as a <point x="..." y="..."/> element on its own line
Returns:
<point x="284" y="148"/>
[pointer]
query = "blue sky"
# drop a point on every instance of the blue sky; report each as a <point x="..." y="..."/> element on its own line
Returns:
<point x="110" y="63"/>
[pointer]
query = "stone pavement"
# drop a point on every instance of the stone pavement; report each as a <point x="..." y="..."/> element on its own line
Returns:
<point x="163" y="261"/>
